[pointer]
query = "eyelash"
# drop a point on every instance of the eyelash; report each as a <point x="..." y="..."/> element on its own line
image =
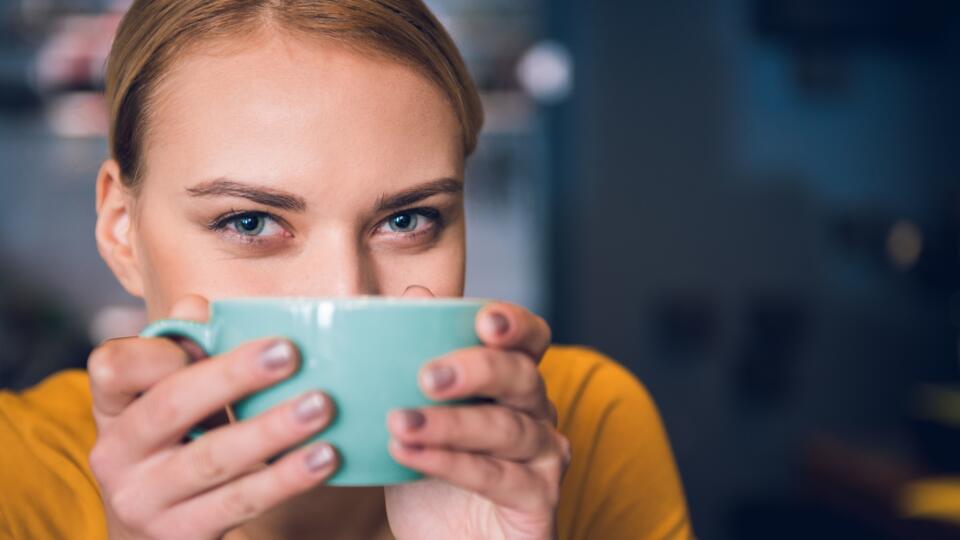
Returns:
<point x="223" y="223"/>
<point x="432" y="214"/>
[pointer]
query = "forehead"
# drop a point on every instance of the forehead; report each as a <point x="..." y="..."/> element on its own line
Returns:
<point x="296" y="109"/>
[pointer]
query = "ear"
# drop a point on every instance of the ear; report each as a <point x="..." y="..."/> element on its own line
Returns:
<point x="115" y="235"/>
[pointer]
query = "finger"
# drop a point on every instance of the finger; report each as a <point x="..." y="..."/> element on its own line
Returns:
<point x="243" y="499"/>
<point x="490" y="429"/>
<point x="509" y="377"/>
<point x="509" y="326"/>
<point x="228" y="452"/>
<point x="505" y="483"/>
<point x="122" y="368"/>
<point x="165" y="413"/>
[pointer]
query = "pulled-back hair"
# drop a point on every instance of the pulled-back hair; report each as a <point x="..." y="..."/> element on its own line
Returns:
<point x="154" y="32"/>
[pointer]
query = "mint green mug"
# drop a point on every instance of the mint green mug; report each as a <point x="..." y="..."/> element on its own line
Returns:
<point x="364" y="352"/>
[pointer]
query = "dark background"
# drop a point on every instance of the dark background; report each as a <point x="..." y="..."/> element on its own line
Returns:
<point x="732" y="182"/>
<point x="754" y="205"/>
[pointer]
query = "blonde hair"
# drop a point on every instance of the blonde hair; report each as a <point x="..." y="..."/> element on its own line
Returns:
<point x="154" y="32"/>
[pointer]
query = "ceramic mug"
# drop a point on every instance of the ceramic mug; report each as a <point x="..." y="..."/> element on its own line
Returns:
<point x="364" y="352"/>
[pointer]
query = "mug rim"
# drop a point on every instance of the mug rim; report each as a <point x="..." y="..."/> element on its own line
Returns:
<point x="353" y="301"/>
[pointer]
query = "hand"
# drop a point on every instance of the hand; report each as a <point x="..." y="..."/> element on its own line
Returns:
<point x="147" y="396"/>
<point x="495" y="468"/>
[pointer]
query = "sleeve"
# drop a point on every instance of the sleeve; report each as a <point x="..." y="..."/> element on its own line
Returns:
<point x="622" y="482"/>
<point x="47" y="488"/>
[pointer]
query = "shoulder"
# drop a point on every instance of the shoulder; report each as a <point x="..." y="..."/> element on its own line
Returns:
<point x="46" y="433"/>
<point x="61" y="403"/>
<point x="582" y="378"/>
<point x="623" y="481"/>
<point x="58" y="394"/>
<point x="55" y="412"/>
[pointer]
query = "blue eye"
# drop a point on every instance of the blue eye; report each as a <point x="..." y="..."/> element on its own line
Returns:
<point x="251" y="228"/>
<point x="404" y="222"/>
<point x="249" y="224"/>
<point x="413" y="223"/>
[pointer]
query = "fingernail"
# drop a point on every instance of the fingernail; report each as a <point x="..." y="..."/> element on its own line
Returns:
<point x="440" y="377"/>
<point x="277" y="356"/>
<point x="319" y="457"/>
<point x="413" y="419"/>
<point x="499" y="324"/>
<point x="309" y="408"/>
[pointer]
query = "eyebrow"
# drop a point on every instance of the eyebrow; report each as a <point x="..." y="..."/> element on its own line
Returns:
<point x="275" y="198"/>
<point x="222" y="187"/>
<point x="411" y="195"/>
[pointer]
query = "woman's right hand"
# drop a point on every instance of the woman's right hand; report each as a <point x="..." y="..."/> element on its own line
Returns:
<point x="147" y="396"/>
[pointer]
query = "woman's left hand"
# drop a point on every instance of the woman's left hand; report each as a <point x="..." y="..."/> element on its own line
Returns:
<point x="495" y="468"/>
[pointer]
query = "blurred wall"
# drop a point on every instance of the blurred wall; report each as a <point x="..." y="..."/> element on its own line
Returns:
<point x="723" y="211"/>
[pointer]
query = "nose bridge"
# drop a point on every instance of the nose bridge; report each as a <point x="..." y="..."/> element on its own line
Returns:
<point x="338" y="266"/>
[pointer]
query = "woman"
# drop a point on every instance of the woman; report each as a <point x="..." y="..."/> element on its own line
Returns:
<point x="313" y="147"/>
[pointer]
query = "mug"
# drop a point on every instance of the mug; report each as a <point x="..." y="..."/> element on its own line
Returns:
<point x="364" y="352"/>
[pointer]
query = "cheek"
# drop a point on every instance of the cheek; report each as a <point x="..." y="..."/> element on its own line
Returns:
<point x="441" y="270"/>
<point x="173" y="259"/>
<point x="166" y="270"/>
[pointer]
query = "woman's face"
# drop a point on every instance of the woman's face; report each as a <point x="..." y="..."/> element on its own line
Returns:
<point x="290" y="167"/>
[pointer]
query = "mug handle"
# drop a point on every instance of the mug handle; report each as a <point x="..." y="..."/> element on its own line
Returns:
<point x="200" y="333"/>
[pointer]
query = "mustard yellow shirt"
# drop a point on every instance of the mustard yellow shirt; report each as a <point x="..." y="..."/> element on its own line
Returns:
<point x="621" y="484"/>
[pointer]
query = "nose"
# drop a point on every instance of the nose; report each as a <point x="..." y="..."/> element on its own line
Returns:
<point x="337" y="265"/>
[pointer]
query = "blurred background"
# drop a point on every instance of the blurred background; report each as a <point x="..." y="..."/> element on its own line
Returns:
<point x="754" y="205"/>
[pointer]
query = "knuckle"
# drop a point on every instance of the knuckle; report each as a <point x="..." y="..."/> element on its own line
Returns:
<point x="493" y="475"/>
<point x="128" y="507"/>
<point x="452" y="422"/>
<point x="237" y="505"/>
<point x="102" y="366"/>
<point x="204" y="463"/>
<point x="551" y="491"/>
<point x="99" y="460"/>
<point x="545" y="329"/>
<point x="486" y="365"/>
<point x="554" y="414"/>
<point x="509" y="424"/>
<point x="543" y="439"/>
<point x="553" y="483"/>
<point x="566" y="449"/>
<point x="272" y="428"/>
<point x="289" y="479"/>
<point x="529" y="380"/>
<point x="161" y="408"/>
<point x="134" y="432"/>
<point x="557" y="462"/>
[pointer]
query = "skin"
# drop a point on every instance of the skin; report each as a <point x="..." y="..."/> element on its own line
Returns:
<point x="337" y="130"/>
